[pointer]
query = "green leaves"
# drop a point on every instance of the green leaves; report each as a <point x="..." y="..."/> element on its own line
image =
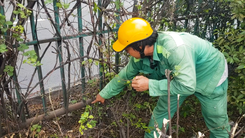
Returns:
<point x="242" y="66"/>
<point x="15" y="35"/>
<point x="74" y="101"/>
<point x="36" y="129"/>
<point x="63" y="5"/>
<point x="59" y="5"/>
<point x="22" y="10"/>
<point x="48" y="1"/>
<point x="22" y="47"/>
<point x="86" y="118"/>
<point x="237" y="7"/>
<point x="21" y="6"/>
<point x="96" y="8"/>
<point x="31" y="58"/>
<point x="66" y="5"/>
<point x="90" y="60"/>
<point x="118" y="4"/>
<point x="9" y="70"/>
<point x="240" y="39"/>
<point x="3" y="48"/>
<point x="136" y="122"/>
<point x="8" y="23"/>
<point x="231" y="42"/>
<point x="4" y="25"/>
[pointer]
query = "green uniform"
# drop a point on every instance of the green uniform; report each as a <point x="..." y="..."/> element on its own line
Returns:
<point x="198" y="68"/>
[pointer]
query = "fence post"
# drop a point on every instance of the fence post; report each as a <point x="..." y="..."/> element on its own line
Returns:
<point x="59" y="48"/>
<point x="20" y="102"/>
<point x="117" y="54"/>
<point x="196" y="28"/>
<point x="39" y="68"/>
<point x="175" y="12"/>
<point x="204" y="31"/>
<point x="1" y="9"/>
<point x="213" y="30"/>
<point x="80" y="28"/>
<point x="101" y="67"/>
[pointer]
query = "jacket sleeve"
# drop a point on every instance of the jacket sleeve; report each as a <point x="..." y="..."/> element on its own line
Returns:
<point x="117" y="84"/>
<point x="182" y="63"/>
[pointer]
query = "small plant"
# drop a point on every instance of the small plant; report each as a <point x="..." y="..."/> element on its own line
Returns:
<point x="188" y="107"/>
<point x="9" y="69"/>
<point x="73" y="101"/>
<point x="137" y="122"/>
<point x="86" y="121"/>
<point x="35" y="129"/>
<point x="54" y="136"/>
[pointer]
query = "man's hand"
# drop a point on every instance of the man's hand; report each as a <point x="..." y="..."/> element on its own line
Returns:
<point x="140" y="83"/>
<point x="99" y="99"/>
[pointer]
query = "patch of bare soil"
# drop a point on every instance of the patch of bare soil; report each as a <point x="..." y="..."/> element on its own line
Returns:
<point x="125" y="115"/>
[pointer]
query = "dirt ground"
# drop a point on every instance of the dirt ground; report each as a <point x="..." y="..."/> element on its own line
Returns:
<point x="124" y="115"/>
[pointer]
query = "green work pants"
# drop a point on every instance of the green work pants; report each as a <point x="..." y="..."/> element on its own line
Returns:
<point x="214" y="111"/>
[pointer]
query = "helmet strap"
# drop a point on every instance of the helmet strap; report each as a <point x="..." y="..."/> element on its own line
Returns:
<point x="142" y="54"/>
<point x="142" y="51"/>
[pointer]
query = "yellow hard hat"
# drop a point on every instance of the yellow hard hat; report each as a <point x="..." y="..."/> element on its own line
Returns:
<point x="132" y="30"/>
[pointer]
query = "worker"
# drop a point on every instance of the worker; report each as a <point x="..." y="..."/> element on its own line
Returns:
<point x="197" y="68"/>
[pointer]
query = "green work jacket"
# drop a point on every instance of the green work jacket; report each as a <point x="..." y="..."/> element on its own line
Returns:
<point x="196" y="66"/>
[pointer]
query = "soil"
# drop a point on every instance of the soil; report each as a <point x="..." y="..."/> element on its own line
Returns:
<point x="124" y="115"/>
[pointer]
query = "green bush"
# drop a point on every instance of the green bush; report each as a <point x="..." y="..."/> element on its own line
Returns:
<point x="231" y="43"/>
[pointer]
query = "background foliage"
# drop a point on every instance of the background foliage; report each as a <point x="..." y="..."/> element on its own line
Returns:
<point x="219" y="21"/>
<point x="231" y="41"/>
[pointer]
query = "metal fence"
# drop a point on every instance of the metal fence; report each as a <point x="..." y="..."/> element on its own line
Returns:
<point x="201" y="18"/>
<point x="58" y="39"/>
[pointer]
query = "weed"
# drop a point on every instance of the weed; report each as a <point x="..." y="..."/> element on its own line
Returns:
<point x="35" y="129"/>
<point x="86" y="120"/>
